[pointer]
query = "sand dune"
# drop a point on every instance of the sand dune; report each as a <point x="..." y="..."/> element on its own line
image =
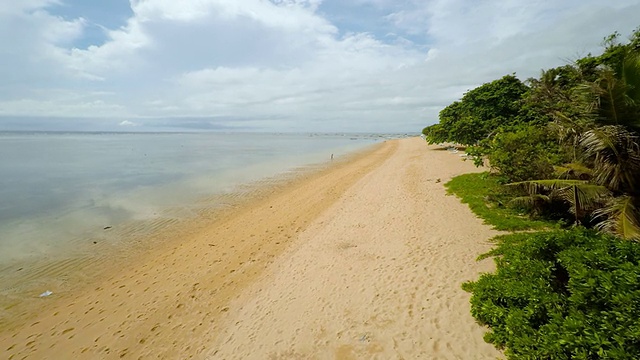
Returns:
<point x="361" y="260"/>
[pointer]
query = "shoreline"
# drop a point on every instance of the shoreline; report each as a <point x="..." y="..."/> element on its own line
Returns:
<point x="216" y="290"/>
<point x="115" y="247"/>
<point x="70" y="198"/>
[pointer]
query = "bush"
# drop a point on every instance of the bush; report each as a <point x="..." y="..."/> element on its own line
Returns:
<point x="524" y="153"/>
<point x="487" y="199"/>
<point x="561" y="295"/>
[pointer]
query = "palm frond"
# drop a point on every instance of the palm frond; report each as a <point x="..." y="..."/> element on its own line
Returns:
<point x="581" y="196"/>
<point x="530" y="201"/>
<point x="573" y="170"/>
<point x="601" y="138"/>
<point x="550" y="184"/>
<point x="620" y="217"/>
<point x="615" y="153"/>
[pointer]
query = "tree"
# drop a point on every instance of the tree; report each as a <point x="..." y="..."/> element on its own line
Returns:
<point x="526" y="152"/>
<point x="605" y="134"/>
<point x="435" y="134"/>
<point x="612" y="147"/>
<point x="582" y="197"/>
<point x="483" y="110"/>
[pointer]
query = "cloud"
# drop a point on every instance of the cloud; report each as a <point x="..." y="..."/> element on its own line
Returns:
<point x="127" y="123"/>
<point x="29" y="44"/>
<point x="353" y="65"/>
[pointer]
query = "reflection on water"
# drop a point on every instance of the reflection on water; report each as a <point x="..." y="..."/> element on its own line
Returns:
<point x="56" y="188"/>
<point x="73" y="206"/>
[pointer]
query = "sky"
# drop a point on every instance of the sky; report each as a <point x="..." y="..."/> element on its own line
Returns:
<point x="277" y="65"/>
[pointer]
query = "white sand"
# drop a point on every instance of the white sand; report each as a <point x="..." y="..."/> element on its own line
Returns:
<point x="364" y="260"/>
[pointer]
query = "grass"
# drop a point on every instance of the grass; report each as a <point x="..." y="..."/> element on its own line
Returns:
<point x="482" y="193"/>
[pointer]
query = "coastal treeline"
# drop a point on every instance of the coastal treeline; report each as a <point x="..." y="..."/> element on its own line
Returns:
<point x="565" y="149"/>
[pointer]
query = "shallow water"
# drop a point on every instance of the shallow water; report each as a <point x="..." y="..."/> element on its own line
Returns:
<point x="57" y="189"/>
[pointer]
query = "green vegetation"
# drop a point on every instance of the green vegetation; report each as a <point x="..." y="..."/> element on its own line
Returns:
<point x="564" y="152"/>
<point x="573" y="135"/>
<point x="480" y="112"/>
<point x="564" y="294"/>
<point x="525" y="153"/>
<point x="486" y="197"/>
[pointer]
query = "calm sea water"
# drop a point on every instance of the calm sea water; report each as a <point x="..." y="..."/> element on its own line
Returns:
<point x="58" y="187"/>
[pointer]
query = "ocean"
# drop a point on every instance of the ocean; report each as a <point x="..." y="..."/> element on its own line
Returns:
<point x="74" y="206"/>
<point x="59" y="190"/>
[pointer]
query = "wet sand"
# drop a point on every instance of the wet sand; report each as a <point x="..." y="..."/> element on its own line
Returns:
<point x="361" y="260"/>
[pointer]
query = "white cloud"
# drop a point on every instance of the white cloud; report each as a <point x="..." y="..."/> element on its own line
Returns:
<point x="283" y="63"/>
<point x="127" y="123"/>
<point x="30" y="40"/>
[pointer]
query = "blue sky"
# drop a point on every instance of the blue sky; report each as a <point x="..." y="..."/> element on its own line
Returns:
<point x="277" y="65"/>
<point x="99" y="16"/>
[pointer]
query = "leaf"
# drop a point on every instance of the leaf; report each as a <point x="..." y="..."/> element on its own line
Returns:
<point x="621" y="217"/>
<point x="574" y="170"/>
<point x="550" y="184"/>
<point x="529" y="201"/>
<point x="579" y="194"/>
<point x="615" y="153"/>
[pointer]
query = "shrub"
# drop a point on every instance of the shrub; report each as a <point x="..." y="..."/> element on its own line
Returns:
<point x="487" y="199"/>
<point x="524" y="153"/>
<point x="561" y="295"/>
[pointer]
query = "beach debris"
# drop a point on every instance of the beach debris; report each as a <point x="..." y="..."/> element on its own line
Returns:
<point x="107" y="227"/>
<point x="46" y="293"/>
<point x="438" y="180"/>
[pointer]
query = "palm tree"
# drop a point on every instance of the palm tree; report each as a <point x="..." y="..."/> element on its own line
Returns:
<point x="615" y="154"/>
<point x="614" y="98"/>
<point x="612" y="147"/>
<point x="604" y="135"/>
<point x="555" y="94"/>
<point x="582" y="197"/>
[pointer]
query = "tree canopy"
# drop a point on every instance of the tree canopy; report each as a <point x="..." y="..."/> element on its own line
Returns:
<point x="566" y="146"/>
<point x="480" y="112"/>
<point x="584" y="115"/>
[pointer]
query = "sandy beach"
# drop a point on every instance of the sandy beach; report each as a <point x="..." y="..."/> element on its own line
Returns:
<point x="361" y="260"/>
